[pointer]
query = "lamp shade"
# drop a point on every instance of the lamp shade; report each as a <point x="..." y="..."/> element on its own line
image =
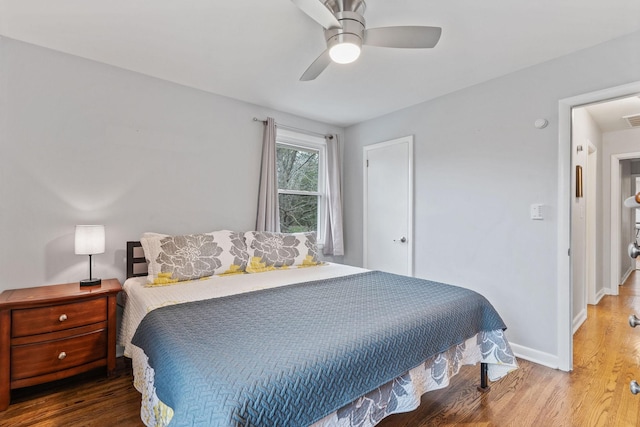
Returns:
<point x="89" y="239"/>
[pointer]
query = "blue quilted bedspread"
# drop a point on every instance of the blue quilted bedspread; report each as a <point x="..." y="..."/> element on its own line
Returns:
<point x="289" y="356"/>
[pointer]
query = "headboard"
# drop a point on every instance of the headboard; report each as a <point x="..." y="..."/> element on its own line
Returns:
<point x="136" y="262"/>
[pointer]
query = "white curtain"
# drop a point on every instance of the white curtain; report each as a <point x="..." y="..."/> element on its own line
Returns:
<point x="333" y="240"/>
<point x="268" y="218"/>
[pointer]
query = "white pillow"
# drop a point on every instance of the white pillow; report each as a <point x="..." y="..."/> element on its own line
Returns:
<point x="173" y="259"/>
<point x="271" y="251"/>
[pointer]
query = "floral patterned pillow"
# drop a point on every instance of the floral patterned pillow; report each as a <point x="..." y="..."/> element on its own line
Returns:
<point x="179" y="258"/>
<point x="271" y="251"/>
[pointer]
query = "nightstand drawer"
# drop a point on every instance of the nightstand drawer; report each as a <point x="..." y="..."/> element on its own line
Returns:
<point x="33" y="321"/>
<point x="56" y="331"/>
<point x="52" y="356"/>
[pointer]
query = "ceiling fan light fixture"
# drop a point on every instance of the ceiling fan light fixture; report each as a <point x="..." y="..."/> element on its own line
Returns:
<point x="344" y="48"/>
<point x="345" y="31"/>
<point x="344" y="53"/>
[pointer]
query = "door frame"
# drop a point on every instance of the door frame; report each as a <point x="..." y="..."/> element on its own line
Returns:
<point x="403" y="140"/>
<point x="616" y="226"/>
<point x="563" y="274"/>
<point x="591" y="227"/>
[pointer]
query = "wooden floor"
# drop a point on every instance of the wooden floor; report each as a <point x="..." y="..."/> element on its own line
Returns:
<point x="596" y="393"/>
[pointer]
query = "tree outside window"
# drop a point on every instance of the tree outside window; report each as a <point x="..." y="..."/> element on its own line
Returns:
<point x="299" y="187"/>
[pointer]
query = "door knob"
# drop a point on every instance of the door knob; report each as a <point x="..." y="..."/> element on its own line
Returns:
<point x="402" y="240"/>
<point x="634" y="321"/>
<point x="635" y="388"/>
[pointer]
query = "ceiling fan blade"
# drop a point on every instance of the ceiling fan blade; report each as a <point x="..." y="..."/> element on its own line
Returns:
<point x="403" y="37"/>
<point x="318" y="12"/>
<point x="317" y="67"/>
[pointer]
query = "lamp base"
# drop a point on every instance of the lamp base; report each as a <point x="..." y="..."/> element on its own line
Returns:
<point x="90" y="282"/>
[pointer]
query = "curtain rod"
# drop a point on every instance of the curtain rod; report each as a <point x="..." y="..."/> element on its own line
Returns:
<point x="308" y="132"/>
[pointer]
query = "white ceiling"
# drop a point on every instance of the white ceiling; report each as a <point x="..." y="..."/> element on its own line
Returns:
<point x="610" y="115"/>
<point x="256" y="50"/>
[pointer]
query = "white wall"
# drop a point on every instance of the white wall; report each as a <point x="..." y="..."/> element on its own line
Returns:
<point x="479" y="164"/>
<point x="82" y="142"/>
<point x="584" y="131"/>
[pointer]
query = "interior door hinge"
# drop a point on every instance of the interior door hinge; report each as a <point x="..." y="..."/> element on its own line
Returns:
<point x="367" y="162"/>
<point x="569" y="252"/>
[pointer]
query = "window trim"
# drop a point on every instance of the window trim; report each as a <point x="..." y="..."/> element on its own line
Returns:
<point x="297" y="140"/>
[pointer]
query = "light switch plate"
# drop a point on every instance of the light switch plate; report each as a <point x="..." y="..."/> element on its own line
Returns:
<point x="536" y="211"/>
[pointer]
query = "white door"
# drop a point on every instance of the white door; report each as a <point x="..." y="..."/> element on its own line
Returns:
<point x="388" y="206"/>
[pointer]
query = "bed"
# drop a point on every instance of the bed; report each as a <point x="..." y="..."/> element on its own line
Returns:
<point x="276" y="337"/>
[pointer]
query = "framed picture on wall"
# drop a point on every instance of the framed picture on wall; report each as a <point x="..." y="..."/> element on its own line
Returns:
<point x="579" y="181"/>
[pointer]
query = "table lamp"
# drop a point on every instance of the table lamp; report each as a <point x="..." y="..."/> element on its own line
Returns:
<point x="89" y="241"/>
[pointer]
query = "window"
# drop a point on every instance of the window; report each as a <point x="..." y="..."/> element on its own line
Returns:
<point x="301" y="179"/>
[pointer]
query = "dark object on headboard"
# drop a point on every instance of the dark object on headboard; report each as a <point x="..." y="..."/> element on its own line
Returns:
<point x="134" y="263"/>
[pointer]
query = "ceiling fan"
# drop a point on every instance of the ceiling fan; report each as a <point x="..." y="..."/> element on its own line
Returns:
<point x="345" y="32"/>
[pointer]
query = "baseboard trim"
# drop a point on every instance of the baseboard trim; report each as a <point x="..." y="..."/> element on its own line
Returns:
<point x="601" y="295"/>
<point x="627" y="274"/>
<point x="535" y="356"/>
<point x="579" y="320"/>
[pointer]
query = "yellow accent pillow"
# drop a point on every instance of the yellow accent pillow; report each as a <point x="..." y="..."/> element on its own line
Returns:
<point x="166" y="279"/>
<point x="256" y="266"/>
<point x="234" y="269"/>
<point x="310" y="262"/>
<point x="163" y="279"/>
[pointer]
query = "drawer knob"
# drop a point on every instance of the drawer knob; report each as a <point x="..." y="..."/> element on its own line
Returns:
<point x="62" y="355"/>
<point x="62" y="317"/>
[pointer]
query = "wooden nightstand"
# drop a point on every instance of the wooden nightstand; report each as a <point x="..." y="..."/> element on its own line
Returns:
<point x="53" y="332"/>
